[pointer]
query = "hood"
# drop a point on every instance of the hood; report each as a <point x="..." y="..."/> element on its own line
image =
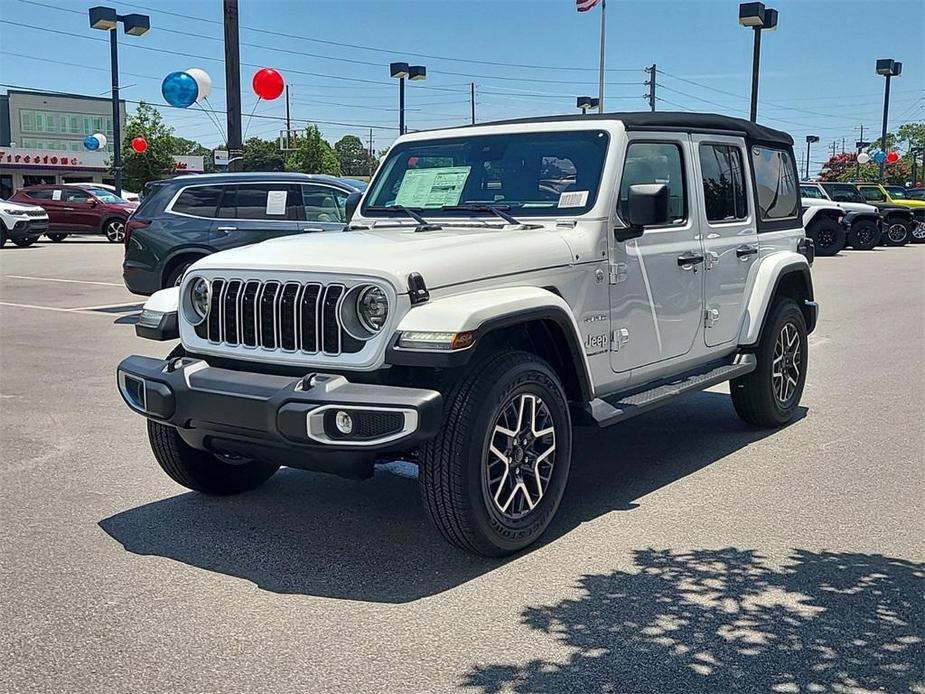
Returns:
<point x="444" y="257"/>
<point x="21" y="207"/>
<point x="850" y="206"/>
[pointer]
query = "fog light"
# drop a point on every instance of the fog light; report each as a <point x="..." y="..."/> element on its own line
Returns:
<point x="344" y="422"/>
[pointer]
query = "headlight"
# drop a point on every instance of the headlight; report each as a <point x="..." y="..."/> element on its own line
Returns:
<point x="372" y="308"/>
<point x="200" y="297"/>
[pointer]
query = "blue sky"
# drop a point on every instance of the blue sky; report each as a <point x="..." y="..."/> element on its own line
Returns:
<point x="817" y="69"/>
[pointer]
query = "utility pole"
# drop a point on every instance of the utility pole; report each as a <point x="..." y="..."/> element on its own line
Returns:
<point x="843" y="145"/>
<point x="834" y="145"/>
<point x="288" y="124"/>
<point x="371" y="150"/>
<point x="651" y="83"/>
<point x="233" y="85"/>
<point x="472" y="100"/>
<point x="600" y="92"/>
<point x="860" y="144"/>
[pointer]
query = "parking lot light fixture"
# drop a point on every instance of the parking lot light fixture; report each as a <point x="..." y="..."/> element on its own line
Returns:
<point x="810" y="139"/>
<point x="107" y="19"/>
<point x="402" y="72"/>
<point x="759" y="18"/>
<point x="889" y="68"/>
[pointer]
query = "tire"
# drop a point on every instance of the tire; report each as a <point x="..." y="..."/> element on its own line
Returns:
<point x="757" y="396"/>
<point x="895" y="233"/>
<point x="918" y="233"/>
<point x="461" y="478"/>
<point x="114" y="230"/>
<point x="25" y="243"/>
<point x="57" y="238"/>
<point x="202" y="471"/>
<point x="864" y="235"/>
<point x="176" y="274"/>
<point x="2" y="234"/>
<point x="828" y="236"/>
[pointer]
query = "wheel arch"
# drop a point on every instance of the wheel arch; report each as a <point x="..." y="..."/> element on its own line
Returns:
<point x="180" y="255"/>
<point x="782" y="274"/>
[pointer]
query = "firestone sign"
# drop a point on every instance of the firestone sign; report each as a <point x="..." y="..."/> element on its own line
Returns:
<point x="41" y="159"/>
<point x="21" y="158"/>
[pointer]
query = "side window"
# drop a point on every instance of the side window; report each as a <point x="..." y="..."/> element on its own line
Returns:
<point x="655" y="162"/>
<point x="776" y="184"/>
<point x="199" y="201"/>
<point x="43" y="194"/>
<point x="270" y="201"/>
<point x="811" y="192"/>
<point x="723" y="183"/>
<point x="76" y="196"/>
<point x="873" y="194"/>
<point x="323" y="204"/>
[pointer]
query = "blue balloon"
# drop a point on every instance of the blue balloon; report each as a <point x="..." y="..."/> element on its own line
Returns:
<point x="91" y="143"/>
<point x="880" y="157"/>
<point x="180" y="89"/>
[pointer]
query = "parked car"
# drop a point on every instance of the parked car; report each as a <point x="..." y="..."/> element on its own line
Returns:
<point x="862" y="222"/>
<point x="126" y="195"/>
<point x="468" y="314"/>
<point x="823" y="224"/>
<point x="896" y="195"/>
<point x="21" y="224"/>
<point x="915" y="193"/>
<point x="186" y="218"/>
<point x="897" y="220"/>
<point x="78" y="210"/>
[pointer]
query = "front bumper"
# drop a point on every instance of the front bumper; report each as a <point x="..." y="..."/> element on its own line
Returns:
<point x="291" y="421"/>
<point x="28" y="228"/>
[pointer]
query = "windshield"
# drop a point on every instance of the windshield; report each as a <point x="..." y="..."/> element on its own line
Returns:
<point x="533" y="174"/>
<point x="811" y="192"/>
<point x="104" y="195"/>
<point x="896" y="192"/>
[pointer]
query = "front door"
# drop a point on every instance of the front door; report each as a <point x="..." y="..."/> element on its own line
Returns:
<point x="656" y="292"/>
<point x="79" y="211"/>
<point x="730" y="237"/>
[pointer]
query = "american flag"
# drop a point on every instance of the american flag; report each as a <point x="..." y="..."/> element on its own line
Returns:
<point x="585" y="5"/>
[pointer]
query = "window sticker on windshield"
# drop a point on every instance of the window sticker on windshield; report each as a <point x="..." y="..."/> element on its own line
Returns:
<point x="276" y="202"/>
<point x="573" y="198"/>
<point x="56" y="194"/>
<point x="433" y="187"/>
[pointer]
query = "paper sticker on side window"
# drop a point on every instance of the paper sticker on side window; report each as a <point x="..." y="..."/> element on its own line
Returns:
<point x="574" y="198"/>
<point x="56" y="194"/>
<point x="276" y="202"/>
<point x="433" y="187"/>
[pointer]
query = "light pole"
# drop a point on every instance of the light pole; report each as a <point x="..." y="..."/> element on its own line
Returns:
<point x="586" y="102"/>
<point x="810" y="139"/>
<point x="759" y="18"/>
<point x="888" y="68"/>
<point x="401" y="72"/>
<point x="106" y="19"/>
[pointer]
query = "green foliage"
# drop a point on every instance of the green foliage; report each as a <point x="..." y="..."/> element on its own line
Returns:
<point x="354" y="157"/>
<point x="263" y="155"/>
<point x="313" y="155"/>
<point x="183" y="146"/>
<point x="910" y="137"/>
<point x="155" y="163"/>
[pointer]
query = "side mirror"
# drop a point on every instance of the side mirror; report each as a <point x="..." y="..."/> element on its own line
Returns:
<point x="647" y="206"/>
<point x="353" y="201"/>
<point x="91" y="202"/>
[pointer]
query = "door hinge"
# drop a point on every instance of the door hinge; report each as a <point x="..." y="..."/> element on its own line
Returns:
<point x="619" y="339"/>
<point x="617" y="272"/>
<point x="712" y="260"/>
<point x="710" y="317"/>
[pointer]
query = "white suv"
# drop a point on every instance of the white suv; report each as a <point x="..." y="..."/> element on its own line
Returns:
<point x="21" y="224"/>
<point x="498" y="283"/>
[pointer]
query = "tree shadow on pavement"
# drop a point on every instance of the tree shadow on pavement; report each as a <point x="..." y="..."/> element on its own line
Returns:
<point x="724" y="621"/>
<point x="316" y="534"/>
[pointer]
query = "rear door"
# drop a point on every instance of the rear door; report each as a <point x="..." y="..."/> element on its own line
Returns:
<point x="50" y="199"/>
<point x="324" y="207"/>
<point x="730" y="233"/>
<point x="254" y="212"/>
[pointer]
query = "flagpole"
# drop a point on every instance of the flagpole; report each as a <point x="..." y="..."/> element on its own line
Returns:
<point x="600" y="94"/>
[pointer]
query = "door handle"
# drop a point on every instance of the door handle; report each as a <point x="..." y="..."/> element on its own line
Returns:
<point x="742" y="252"/>
<point x="226" y="228"/>
<point x="310" y="229"/>
<point x="687" y="261"/>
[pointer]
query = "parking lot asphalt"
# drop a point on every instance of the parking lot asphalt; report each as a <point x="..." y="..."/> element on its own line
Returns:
<point x="691" y="552"/>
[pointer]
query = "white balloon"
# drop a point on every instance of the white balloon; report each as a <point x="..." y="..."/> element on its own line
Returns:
<point x="102" y="139"/>
<point x="203" y="81"/>
<point x="863" y="158"/>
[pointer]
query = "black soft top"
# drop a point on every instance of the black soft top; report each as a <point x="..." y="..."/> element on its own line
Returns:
<point x="671" y="120"/>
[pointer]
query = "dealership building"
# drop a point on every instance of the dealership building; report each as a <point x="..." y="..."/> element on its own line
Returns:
<point x="42" y="134"/>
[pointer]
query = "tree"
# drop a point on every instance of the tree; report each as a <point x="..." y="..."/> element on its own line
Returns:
<point x="313" y="154"/>
<point x="263" y="155"/>
<point x="844" y="167"/>
<point x="157" y="161"/>
<point x="353" y="156"/>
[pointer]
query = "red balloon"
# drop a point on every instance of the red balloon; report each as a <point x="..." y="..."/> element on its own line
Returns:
<point x="268" y="83"/>
<point x="139" y="144"/>
<point x="918" y="184"/>
<point x="892" y="157"/>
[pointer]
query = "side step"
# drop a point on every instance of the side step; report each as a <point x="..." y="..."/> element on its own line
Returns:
<point x="617" y="408"/>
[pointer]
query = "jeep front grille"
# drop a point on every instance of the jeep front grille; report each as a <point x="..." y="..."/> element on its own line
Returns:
<point x="278" y="316"/>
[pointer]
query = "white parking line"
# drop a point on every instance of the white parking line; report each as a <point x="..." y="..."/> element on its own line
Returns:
<point x="52" y="308"/>
<point x="58" y="279"/>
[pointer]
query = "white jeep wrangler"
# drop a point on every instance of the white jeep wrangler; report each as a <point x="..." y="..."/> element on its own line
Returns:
<point x="497" y="285"/>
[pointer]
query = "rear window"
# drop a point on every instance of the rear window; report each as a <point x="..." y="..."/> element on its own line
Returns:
<point x="198" y="201"/>
<point x="776" y="183"/>
<point x="40" y="194"/>
<point x="264" y="201"/>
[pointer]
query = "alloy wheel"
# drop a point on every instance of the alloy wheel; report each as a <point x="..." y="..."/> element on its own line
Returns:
<point x="785" y="368"/>
<point x="919" y="231"/>
<point x="897" y="232"/>
<point x="115" y="231"/>
<point x="521" y="456"/>
<point x="826" y="239"/>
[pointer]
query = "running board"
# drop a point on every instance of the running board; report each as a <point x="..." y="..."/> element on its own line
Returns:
<point x="617" y="408"/>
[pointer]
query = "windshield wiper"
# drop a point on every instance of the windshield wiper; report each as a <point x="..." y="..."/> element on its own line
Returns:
<point x="423" y="224"/>
<point x="497" y="210"/>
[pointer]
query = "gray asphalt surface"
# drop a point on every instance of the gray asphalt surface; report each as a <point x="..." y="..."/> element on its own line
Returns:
<point x="691" y="553"/>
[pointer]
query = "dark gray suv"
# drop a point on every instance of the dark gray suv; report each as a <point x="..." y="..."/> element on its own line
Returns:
<point x="182" y="219"/>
